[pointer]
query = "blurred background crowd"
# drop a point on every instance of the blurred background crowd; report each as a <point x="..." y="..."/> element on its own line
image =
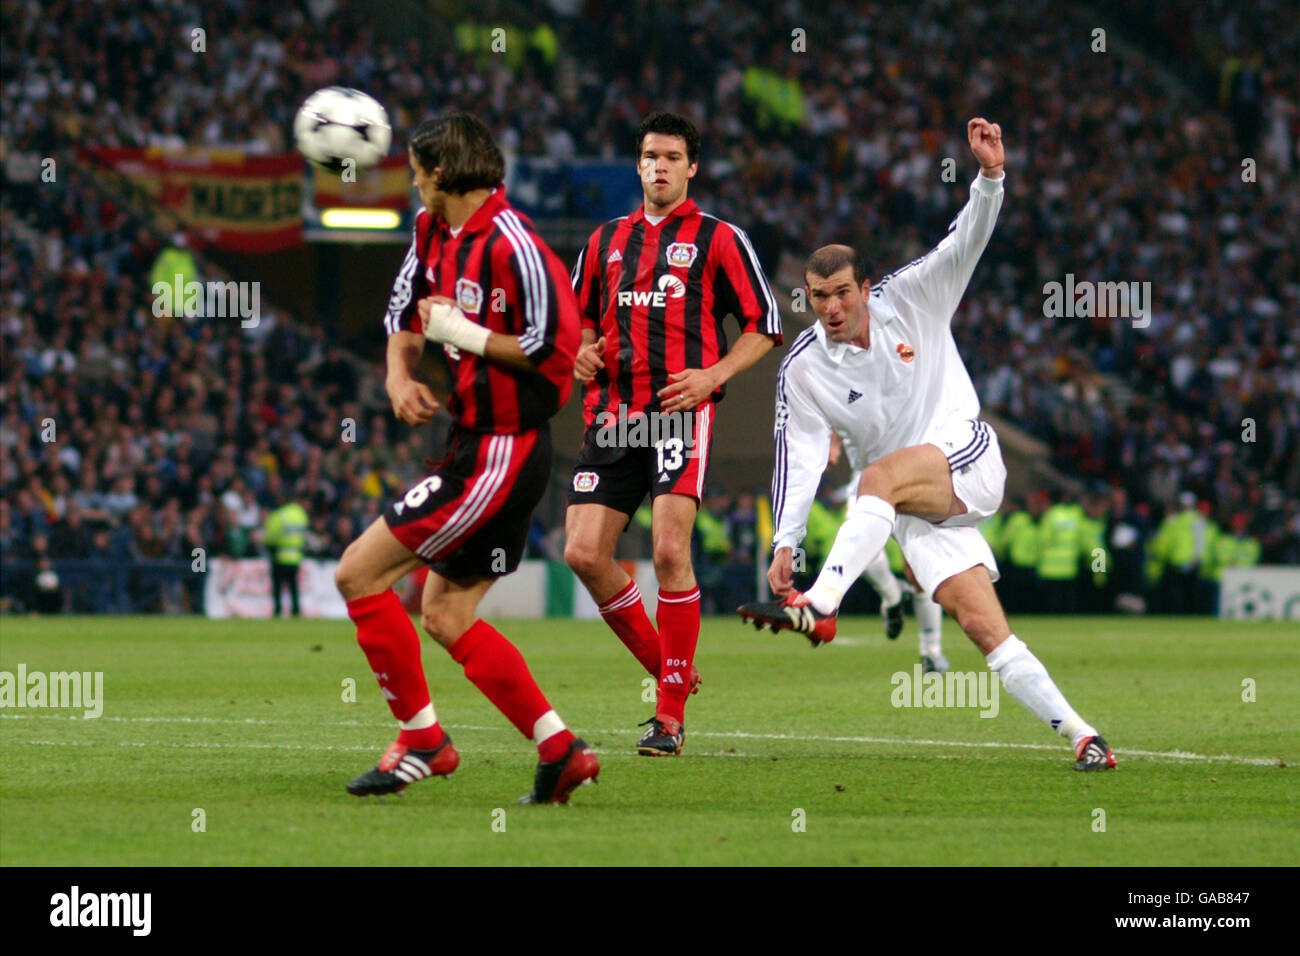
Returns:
<point x="171" y="435"/>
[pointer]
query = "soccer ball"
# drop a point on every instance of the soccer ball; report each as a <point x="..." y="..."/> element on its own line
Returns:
<point x="337" y="124"/>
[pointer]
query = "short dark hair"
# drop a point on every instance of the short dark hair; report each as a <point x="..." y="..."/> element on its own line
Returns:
<point x="828" y="260"/>
<point x="462" y="145"/>
<point x="670" y="124"/>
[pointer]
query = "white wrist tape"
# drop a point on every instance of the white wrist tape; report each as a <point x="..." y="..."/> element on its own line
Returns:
<point x="448" y="324"/>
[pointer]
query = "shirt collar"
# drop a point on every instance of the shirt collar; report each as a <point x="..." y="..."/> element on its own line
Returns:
<point x="878" y="314"/>
<point x="687" y="208"/>
<point x="481" y="218"/>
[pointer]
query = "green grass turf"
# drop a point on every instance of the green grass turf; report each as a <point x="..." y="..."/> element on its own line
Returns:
<point x="246" y="720"/>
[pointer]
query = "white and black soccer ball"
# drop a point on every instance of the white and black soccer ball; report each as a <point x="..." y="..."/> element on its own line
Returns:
<point x="337" y="124"/>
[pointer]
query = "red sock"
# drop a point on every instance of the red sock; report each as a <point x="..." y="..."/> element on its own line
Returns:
<point x="426" y="738"/>
<point x="626" y="617"/>
<point x="392" y="647"/>
<point x="678" y="617"/>
<point x="496" y="668"/>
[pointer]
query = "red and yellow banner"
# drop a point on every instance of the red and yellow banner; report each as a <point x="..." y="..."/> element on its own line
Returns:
<point x="230" y="199"/>
<point x="385" y="186"/>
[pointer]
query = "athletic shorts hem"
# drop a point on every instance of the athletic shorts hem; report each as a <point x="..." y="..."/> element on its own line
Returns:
<point x="979" y="476"/>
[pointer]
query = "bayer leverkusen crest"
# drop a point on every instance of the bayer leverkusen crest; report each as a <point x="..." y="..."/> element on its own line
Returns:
<point x="469" y="296"/>
<point x="682" y="254"/>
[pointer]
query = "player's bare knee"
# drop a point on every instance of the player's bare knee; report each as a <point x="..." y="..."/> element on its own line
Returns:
<point x="442" y="623"/>
<point x="346" y="576"/>
<point x="980" y="626"/>
<point x="672" y="555"/>
<point x="583" y="560"/>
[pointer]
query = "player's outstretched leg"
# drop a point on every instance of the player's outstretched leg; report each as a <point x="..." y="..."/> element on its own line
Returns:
<point x="497" y="669"/>
<point x="392" y="647"/>
<point x="882" y="580"/>
<point x="970" y="600"/>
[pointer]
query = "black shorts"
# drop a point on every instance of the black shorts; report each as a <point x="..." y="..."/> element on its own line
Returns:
<point x="617" y="473"/>
<point x="470" y="517"/>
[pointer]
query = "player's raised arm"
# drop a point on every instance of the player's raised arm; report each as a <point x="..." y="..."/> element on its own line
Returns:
<point x="938" y="279"/>
<point x="803" y="442"/>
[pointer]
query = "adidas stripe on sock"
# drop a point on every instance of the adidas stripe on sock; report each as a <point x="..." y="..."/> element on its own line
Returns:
<point x="1027" y="680"/>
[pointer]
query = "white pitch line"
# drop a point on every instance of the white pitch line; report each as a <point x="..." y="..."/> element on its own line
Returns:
<point x="911" y="741"/>
<point x="238" y="745"/>
<point x="1177" y="755"/>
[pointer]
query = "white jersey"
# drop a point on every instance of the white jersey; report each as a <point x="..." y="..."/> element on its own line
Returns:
<point x="898" y="392"/>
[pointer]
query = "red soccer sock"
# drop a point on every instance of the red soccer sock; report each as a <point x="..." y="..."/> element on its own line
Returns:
<point x="392" y="647"/>
<point x="678" y="617"/>
<point x="427" y="738"/>
<point x="496" y="668"/>
<point x="626" y="617"/>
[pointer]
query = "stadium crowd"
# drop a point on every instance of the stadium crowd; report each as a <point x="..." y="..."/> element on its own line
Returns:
<point x="173" y="435"/>
<point x="126" y="437"/>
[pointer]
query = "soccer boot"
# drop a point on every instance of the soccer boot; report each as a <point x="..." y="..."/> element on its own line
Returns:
<point x="554" y="781"/>
<point x="663" y="738"/>
<point x="401" y="765"/>
<point x="893" y="615"/>
<point x="792" y="614"/>
<point x="933" y="663"/>
<point x="1093" y="754"/>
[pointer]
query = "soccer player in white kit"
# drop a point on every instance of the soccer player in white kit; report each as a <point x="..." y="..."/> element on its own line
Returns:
<point x="881" y="369"/>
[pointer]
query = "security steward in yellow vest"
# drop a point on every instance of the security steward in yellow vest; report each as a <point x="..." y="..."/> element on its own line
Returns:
<point x="284" y="536"/>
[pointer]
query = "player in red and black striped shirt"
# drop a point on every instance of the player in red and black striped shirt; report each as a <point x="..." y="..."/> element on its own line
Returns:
<point x="653" y="290"/>
<point x="478" y="281"/>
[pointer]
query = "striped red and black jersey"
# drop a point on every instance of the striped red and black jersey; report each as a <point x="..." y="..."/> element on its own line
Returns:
<point x="504" y="277"/>
<point x="659" y="295"/>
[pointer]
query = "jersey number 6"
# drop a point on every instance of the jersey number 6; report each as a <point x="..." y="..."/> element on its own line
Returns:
<point x="415" y="497"/>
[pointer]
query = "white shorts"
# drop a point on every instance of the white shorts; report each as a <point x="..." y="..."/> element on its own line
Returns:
<point x="979" y="476"/>
<point x="936" y="552"/>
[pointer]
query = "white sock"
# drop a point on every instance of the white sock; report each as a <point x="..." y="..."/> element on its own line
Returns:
<point x="860" y="538"/>
<point x="1026" y="679"/>
<point x="547" y="726"/>
<point x="929" y="621"/>
<point x="422" y="718"/>
<point x="883" y="580"/>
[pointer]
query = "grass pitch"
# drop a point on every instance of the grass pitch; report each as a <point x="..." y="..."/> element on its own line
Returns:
<point x="792" y="756"/>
